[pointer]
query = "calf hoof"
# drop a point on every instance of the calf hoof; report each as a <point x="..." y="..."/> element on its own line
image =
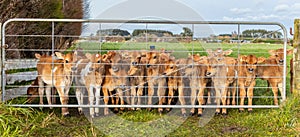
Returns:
<point x="241" y="111"/>
<point x="116" y="110"/>
<point x="224" y="114"/>
<point x="199" y="115"/>
<point x="168" y="110"/>
<point x="138" y="109"/>
<point x="160" y="111"/>
<point x="67" y="115"/>
<point x="97" y="115"/>
<point x="217" y="113"/>
<point x="184" y="115"/>
<point x="250" y="111"/>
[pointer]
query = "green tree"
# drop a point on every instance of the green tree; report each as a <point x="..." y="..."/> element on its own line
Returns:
<point x="73" y="9"/>
<point x="186" y="32"/>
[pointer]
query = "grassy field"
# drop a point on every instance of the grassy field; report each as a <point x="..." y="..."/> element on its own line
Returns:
<point x="261" y="122"/>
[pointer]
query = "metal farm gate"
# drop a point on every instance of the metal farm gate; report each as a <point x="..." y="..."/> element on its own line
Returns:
<point x="17" y="72"/>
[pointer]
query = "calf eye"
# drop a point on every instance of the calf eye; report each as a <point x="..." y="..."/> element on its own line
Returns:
<point x="154" y="57"/>
<point x="99" y="61"/>
<point x="67" y="61"/>
<point x="115" y="69"/>
<point x="171" y="67"/>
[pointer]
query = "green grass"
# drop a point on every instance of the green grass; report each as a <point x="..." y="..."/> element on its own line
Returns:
<point x="261" y="122"/>
<point x="284" y="121"/>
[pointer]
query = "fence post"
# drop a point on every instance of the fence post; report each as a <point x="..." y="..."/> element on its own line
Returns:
<point x="296" y="63"/>
<point x="0" y="63"/>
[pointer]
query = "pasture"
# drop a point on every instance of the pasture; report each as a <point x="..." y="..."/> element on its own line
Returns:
<point x="261" y="122"/>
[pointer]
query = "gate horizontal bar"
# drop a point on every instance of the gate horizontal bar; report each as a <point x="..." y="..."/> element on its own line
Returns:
<point x="147" y="106"/>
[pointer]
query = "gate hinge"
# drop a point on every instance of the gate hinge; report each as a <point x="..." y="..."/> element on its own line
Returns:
<point x="4" y="46"/>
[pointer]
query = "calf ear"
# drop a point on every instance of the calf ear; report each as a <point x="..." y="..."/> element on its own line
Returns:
<point x="37" y="55"/>
<point x="88" y="56"/>
<point x="261" y="60"/>
<point x="272" y="52"/>
<point x="59" y="55"/>
<point x="227" y="52"/>
<point x="209" y="51"/>
<point x="289" y="52"/>
<point x="243" y="58"/>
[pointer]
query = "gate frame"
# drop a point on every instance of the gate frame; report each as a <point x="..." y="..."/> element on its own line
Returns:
<point x="3" y="83"/>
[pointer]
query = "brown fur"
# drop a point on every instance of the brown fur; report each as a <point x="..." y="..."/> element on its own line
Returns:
<point x="222" y="74"/>
<point x="137" y="72"/>
<point x="272" y="70"/>
<point x="59" y="76"/>
<point x="247" y="66"/>
<point x="90" y="73"/>
<point x="116" y="78"/>
<point x="155" y="69"/>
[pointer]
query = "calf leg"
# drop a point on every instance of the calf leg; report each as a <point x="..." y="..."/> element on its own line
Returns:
<point x="133" y="96"/>
<point x="200" y="100"/>
<point x="150" y="94"/>
<point x="181" y="99"/>
<point x="97" y="95"/>
<point x="79" y="97"/>
<point x="48" y="95"/>
<point x="275" y="92"/>
<point x="139" y="94"/>
<point x="106" y="99"/>
<point x="170" y="97"/>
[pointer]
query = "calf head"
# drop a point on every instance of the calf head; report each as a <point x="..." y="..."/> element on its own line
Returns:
<point x="119" y="71"/>
<point x="152" y="59"/>
<point x="98" y="62"/>
<point x="216" y="59"/>
<point x="279" y="55"/>
<point x="135" y="60"/>
<point x="204" y="65"/>
<point x="171" y="67"/>
<point x="250" y="62"/>
<point x="68" y="61"/>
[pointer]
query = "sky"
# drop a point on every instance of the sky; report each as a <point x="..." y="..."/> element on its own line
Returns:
<point x="281" y="11"/>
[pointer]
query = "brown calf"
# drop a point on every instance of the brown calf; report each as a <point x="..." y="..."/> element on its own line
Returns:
<point x="155" y="69"/>
<point x="222" y="74"/>
<point x="247" y="66"/>
<point x="116" y="78"/>
<point x="137" y="72"/>
<point x="90" y="74"/>
<point x="57" y="73"/>
<point x="272" y="71"/>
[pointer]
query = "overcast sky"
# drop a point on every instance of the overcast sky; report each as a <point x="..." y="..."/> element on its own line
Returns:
<point x="282" y="11"/>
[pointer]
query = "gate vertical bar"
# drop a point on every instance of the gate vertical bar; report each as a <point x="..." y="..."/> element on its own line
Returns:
<point x="296" y="64"/>
<point x="1" y="64"/>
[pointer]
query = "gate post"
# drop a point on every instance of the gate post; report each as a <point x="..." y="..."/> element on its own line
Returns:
<point x="296" y="63"/>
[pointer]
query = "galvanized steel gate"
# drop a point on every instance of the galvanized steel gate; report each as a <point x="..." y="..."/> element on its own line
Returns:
<point x="8" y="89"/>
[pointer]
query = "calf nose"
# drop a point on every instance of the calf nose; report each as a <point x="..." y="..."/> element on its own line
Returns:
<point x="122" y="86"/>
<point x="281" y="61"/>
<point x="164" y="73"/>
<point x="208" y="73"/>
<point x="73" y="68"/>
<point x="250" y="69"/>
<point x="148" y="65"/>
